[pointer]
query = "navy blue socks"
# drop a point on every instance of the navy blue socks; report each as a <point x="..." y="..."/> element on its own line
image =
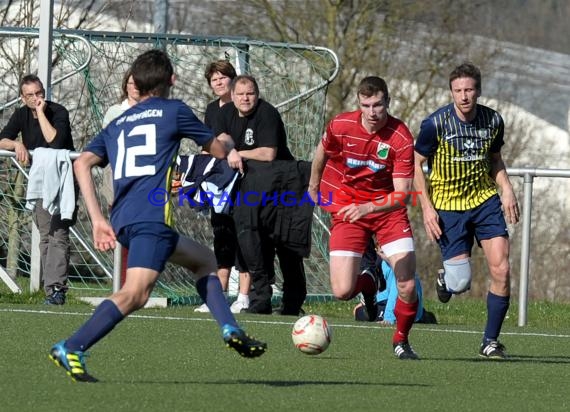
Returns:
<point x="497" y="307"/>
<point x="210" y="290"/>
<point x="103" y="320"/>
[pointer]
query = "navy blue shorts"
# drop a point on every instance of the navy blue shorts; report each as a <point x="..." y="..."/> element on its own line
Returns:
<point x="150" y="244"/>
<point x="459" y="228"/>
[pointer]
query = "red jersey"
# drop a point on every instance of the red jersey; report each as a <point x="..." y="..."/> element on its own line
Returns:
<point x="362" y="165"/>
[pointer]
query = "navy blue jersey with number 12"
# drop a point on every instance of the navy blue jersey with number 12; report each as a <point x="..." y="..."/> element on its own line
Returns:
<point x="141" y="146"/>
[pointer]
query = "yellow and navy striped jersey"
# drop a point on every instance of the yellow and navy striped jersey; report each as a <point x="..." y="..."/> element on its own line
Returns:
<point x="459" y="156"/>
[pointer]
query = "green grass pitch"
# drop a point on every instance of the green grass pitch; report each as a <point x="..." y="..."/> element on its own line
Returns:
<point x="174" y="360"/>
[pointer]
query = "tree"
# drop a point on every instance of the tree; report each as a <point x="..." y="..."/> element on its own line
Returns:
<point x="19" y="58"/>
<point x="413" y="45"/>
<point x="369" y="36"/>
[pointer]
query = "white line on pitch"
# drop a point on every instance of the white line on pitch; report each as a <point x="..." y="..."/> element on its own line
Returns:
<point x="276" y="322"/>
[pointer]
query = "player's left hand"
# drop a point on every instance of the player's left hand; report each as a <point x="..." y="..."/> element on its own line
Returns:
<point x="510" y="206"/>
<point x="352" y="212"/>
<point x="103" y="236"/>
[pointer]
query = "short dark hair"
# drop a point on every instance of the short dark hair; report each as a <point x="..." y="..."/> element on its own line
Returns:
<point x="30" y="78"/>
<point x="466" y="69"/>
<point x="245" y="78"/>
<point x="371" y="85"/>
<point x="152" y="72"/>
<point x="222" y="66"/>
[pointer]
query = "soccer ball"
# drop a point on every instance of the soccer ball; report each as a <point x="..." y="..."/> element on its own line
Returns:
<point x="311" y="334"/>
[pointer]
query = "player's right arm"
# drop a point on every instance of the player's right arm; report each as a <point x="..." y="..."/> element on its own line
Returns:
<point x="430" y="216"/>
<point x="103" y="234"/>
<point x="426" y="144"/>
<point x="220" y="146"/>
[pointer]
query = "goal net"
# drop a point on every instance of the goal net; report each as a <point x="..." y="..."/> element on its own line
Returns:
<point x="87" y="70"/>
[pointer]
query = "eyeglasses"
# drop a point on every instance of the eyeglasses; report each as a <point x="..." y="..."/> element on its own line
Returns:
<point x="36" y="94"/>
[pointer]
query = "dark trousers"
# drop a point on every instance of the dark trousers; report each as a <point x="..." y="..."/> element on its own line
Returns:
<point x="226" y="246"/>
<point x="259" y="255"/>
<point x="294" y="281"/>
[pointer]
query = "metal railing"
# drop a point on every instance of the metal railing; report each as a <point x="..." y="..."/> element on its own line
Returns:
<point x="35" y="272"/>
<point x="528" y="175"/>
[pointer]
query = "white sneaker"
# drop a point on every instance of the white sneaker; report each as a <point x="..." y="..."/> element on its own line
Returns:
<point x="238" y="306"/>
<point x="203" y="308"/>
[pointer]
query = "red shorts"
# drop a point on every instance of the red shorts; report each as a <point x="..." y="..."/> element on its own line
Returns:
<point x="387" y="226"/>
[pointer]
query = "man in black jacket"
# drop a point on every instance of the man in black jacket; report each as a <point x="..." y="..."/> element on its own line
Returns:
<point x="260" y="139"/>
<point x="43" y="123"/>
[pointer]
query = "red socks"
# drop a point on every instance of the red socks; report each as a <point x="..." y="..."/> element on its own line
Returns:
<point x="364" y="284"/>
<point x="405" y="316"/>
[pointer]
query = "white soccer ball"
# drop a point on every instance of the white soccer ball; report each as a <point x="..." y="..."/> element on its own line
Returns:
<point x="311" y="334"/>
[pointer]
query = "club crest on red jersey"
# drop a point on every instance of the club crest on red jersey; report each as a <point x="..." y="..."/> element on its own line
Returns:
<point x="383" y="150"/>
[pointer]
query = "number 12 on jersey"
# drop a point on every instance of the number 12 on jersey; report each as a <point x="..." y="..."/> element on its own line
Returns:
<point x="126" y="156"/>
